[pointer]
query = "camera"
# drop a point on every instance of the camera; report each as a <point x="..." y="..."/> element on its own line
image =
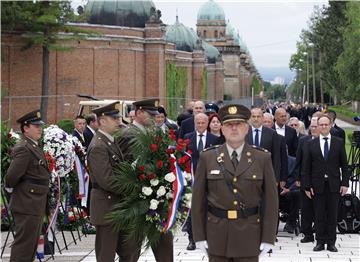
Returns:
<point x="356" y="118"/>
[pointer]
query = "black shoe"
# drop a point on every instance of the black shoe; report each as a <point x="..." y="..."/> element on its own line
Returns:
<point x="307" y="239"/>
<point x="289" y="228"/>
<point x="332" y="248"/>
<point x="319" y="247"/>
<point x="191" y="246"/>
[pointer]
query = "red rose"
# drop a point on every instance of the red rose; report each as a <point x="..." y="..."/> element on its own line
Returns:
<point x="182" y="160"/>
<point x="189" y="152"/>
<point x="72" y="218"/>
<point x="171" y="131"/>
<point x="142" y="168"/>
<point x="141" y="177"/>
<point x="188" y="167"/>
<point x="154" y="147"/>
<point x="187" y="141"/>
<point x="160" y="164"/>
<point x="172" y="160"/>
<point x="170" y="151"/>
<point x="151" y="176"/>
<point x="9" y="151"/>
<point x="179" y="147"/>
<point x="180" y="141"/>
<point x="9" y="136"/>
<point x="158" y="139"/>
<point x="173" y="137"/>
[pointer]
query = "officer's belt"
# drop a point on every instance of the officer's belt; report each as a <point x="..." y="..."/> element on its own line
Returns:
<point x="31" y="180"/>
<point x="233" y="214"/>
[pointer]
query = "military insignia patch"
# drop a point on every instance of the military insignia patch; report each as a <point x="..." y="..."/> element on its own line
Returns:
<point x="38" y="115"/>
<point x="232" y="110"/>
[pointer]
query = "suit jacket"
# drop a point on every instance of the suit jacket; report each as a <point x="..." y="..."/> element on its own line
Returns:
<point x="315" y="166"/>
<point x="299" y="159"/>
<point x="103" y="155"/>
<point x="338" y="131"/>
<point x="82" y="141"/>
<point x="291" y="140"/>
<point x="187" y="126"/>
<point x="254" y="179"/>
<point x="88" y="135"/>
<point x="268" y="141"/>
<point x="28" y="162"/>
<point x="211" y="140"/>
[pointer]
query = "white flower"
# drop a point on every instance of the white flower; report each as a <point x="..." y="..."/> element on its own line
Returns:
<point x="154" y="204"/>
<point x="161" y="191"/>
<point x="170" y="177"/>
<point x="187" y="198"/>
<point x="187" y="176"/>
<point x="147" y="191"/>
<point x="154" y="182"/>
<point x="169" y="195"/>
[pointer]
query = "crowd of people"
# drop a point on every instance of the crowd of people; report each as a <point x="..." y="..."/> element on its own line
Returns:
<point x="248" y="164"/>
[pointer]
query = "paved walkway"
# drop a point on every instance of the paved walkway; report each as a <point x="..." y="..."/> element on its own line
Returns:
<point x="287" y="249"/>
<point x="346" y="125"/>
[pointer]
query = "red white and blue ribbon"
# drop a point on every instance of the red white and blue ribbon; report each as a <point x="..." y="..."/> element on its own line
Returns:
<point x="191" y="169"/>
<point x="83" y="178"/>
<point x="178" y="189"/>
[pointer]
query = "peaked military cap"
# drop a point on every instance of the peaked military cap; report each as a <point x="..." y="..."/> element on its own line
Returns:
<point x="34" y="118"/>
<point x="148" y="105"/>
<point x="234" y="112"/>
<point x="211" y="108"/>
<point x="108" y="110"/>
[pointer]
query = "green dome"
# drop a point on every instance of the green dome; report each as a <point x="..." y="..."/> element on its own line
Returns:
<point x="119" y="12"/>
<point x="230" y="30"/>
<point x="211" y="11"/>
<point x="181" y="36"/>
<point x="211" y="52"/>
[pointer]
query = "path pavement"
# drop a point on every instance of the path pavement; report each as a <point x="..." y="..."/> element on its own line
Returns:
<point x="287" y="249"/>
<point x="346" y="125"/>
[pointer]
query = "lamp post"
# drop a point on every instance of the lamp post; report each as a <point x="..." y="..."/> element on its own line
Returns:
<point x="307" y="76"/>
<point x="313" y="70"/>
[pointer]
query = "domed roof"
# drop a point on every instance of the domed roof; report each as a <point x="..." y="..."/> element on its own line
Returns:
<point x="211" y="52"/>
<point x="119" y="12"/>
<point x="181" y="36"/>
<point x="230" y="30"/>
<point x="211" y="11"/>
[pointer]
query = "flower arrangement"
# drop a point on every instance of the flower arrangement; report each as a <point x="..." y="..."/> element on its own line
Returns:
<point x="157" y="186"/>
<point x="8" y="141"/>
<point x="72" y="222"/>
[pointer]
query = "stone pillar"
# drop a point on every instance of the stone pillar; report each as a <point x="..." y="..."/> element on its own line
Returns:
<point x="219" y="78"/>
<point x="198" y="65"/>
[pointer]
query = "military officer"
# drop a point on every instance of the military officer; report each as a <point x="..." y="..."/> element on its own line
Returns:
<point x="29" y="176"/>
<point x="103" y="155"/>
<point x="145" y="110"/>
<point x="235" y="200"/>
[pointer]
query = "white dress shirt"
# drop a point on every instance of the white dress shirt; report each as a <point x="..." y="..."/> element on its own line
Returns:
<point x="280" y="130"/>
<point x="322" y="142"/>
<point x="198" y="138"/>
<point x="254" y="133"/>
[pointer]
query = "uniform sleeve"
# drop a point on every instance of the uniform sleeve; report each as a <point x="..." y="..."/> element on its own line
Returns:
<point x="18" y="166"/>
<point x="198" y="208"/>
<point x="269" y="204"/>
<point x="100" y="168"/>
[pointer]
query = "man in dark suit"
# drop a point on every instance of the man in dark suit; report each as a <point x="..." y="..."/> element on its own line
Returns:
<point x="79" y="128"/>
<point x="234" y="195"/>
<point x="187" y="126"/>
<point x="90" y="129"/>
<point x="324" y="183"/>
<point x="335" y="129"/>
<point x="103" y="155"/>
<point x="289" y="133"/>
<point x="29" y="176"/>
<point x="307" y="205"/>
<point x="264" y="137"/>
<point x="199" y="140"/>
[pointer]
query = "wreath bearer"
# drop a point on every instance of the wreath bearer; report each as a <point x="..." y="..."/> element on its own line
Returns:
<point x="235" y="201"/>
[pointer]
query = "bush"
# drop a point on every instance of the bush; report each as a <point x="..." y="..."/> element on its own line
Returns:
<point x="67" y="125"/>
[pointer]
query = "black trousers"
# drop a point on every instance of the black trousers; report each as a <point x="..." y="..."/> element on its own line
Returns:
<point x="189" y="228"/>
<point x="307" y="214"/>
<point x="293" y="203"/>
<point x="326" y="209"/>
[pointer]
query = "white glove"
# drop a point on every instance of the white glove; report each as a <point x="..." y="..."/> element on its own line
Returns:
<point x="203" y="246"/>
<point x="265" y="248"/>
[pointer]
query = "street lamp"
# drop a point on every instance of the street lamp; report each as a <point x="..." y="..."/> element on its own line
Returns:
<point x="311" y="45"/>
<point x="307" y="76"/>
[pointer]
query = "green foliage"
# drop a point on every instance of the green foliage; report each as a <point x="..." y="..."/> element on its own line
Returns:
<point x="204" y="85"/>
<point x="276" y="92"/>
<point x="344" y="111"/>
<point x="176" y="85"/>
<point x="67" y="125"/>
<point x="348" y="63"/>
<point x="255" y="83"/>
<point x="7" y="143"/>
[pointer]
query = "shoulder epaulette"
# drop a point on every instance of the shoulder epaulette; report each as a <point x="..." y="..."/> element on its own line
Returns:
<point x="211" y="147"/>
<point x="260" y="148"/>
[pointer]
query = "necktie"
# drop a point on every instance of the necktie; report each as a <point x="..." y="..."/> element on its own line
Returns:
<point x="257" y="143"/>
<point x="201" y="144"/>
<point x="326" y="148"/>
<point x="234" y="159"/>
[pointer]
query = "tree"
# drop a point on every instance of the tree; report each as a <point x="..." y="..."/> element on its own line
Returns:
<point x="348" y="63"/>
<point x="41" y="22"/>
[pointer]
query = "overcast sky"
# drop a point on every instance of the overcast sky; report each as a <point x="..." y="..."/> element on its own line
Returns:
<point x="269" y="28"/>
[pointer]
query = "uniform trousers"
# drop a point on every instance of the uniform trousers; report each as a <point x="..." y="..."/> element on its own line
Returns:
<point x="108" y="241"/>
<point x="307" y="214"/>
<point x="164" y="251"/>
<point x="326" y="208"/>
<point x="27" y="231"/>
<point x="213" y="258"/>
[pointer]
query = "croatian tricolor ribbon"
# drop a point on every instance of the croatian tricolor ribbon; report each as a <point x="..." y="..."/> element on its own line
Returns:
<point x="178" y="189"/>
<point x="83" y="179"/>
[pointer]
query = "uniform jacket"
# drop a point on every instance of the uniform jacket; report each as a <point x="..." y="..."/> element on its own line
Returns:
<point x="269" y="141"/>
<point x="315" y="166"/>
<point x="255" y="182"/>
<point x="211" y="140"/>
<point x="28" y="162"/>
<point x="103" y="155"/>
